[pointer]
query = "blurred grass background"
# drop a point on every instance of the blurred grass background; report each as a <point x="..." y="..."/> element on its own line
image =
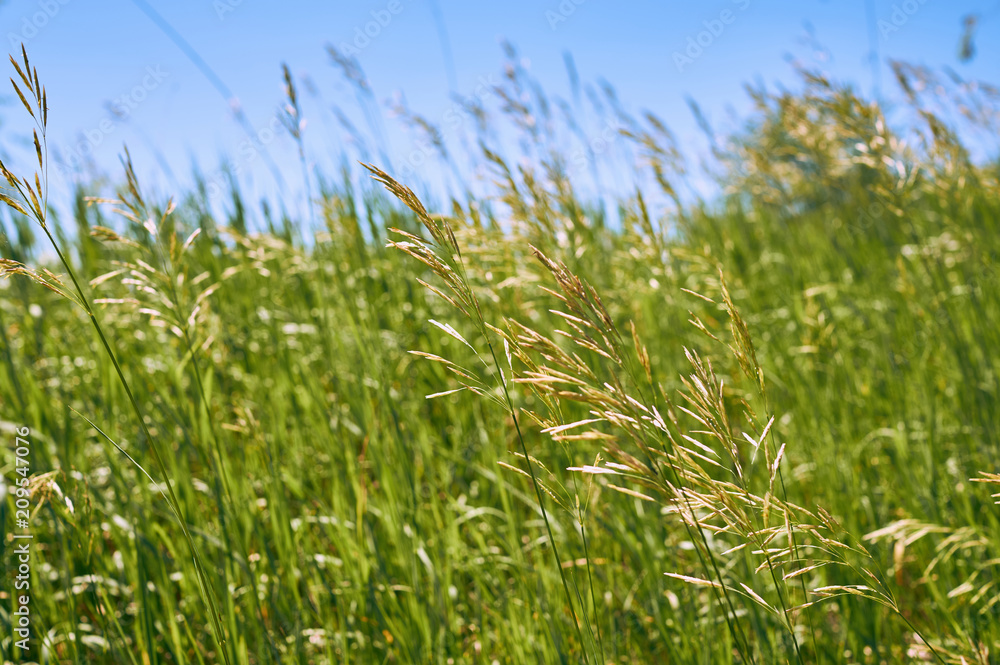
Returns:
<point x="344" y="517"/>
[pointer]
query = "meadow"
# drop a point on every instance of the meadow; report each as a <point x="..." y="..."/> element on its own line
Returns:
<point x="527" y="422"/>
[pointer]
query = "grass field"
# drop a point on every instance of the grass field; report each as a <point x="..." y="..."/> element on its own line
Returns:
<point x="757" y="428"/>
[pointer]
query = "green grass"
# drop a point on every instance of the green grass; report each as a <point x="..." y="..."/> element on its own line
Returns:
<point x="343" y="517"/>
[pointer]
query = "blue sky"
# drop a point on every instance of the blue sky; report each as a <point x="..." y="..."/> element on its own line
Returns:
<point x="92" y="55"/>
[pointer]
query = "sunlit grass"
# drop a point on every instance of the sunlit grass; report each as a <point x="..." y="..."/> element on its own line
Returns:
<point x="743" y="430"/>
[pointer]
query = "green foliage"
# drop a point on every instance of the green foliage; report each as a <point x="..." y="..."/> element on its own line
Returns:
<point x="741" y="431"/>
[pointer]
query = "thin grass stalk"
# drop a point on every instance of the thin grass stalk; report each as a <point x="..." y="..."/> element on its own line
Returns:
<point x="406" y="196"/>
<point x="590" y="582"/>
<point x="538" y="491"/>
<point x="739" y="635"/>
<point x="774" y="577"/>
<point x="894" y="605"/>
<point x="174" y="503"/>
<point x="794" y="543"/>
<point x="38" y="205"/>
<point x="225" y="486"/>
<point x="294" y="123"/>
<point x="676" y="489"/>
<point x="673" y="485"/>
